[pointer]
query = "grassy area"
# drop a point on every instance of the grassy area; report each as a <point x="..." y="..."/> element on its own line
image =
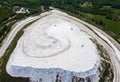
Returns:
<point x="111" y="27"/>
<point x="4" y="77"/>
<point x="103" y="13"/>
<point x="106" y="74"/>
<point x="8" y="14"/>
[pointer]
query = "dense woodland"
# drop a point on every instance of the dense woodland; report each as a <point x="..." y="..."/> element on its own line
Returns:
<point x="99" y="7"/>
<point x="103" y="13"/>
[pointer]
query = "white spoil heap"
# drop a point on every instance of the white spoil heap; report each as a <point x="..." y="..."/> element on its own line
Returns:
<point x="53" y="48"/>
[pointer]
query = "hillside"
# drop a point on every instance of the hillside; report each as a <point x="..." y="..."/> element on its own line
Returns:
<point x="103" y="14"/>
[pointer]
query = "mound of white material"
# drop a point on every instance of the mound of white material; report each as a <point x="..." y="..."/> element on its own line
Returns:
<point x="43" y="41"/>
<point x="53" y="44"/>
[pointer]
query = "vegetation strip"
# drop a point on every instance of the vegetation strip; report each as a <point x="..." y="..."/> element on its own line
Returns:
<point x="4" y="77"/>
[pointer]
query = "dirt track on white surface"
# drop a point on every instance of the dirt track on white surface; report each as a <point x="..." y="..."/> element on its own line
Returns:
<point x="16" y="27"/>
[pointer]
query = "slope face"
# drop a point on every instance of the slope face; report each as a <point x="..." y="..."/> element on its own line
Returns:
<point x="51" y="43"/>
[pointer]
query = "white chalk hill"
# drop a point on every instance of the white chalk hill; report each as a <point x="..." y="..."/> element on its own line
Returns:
<point x="54" y="45"/>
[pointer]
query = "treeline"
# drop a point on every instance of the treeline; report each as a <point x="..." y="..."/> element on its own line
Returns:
<point x="98" y="7"/>
<point x="106" y="8"/>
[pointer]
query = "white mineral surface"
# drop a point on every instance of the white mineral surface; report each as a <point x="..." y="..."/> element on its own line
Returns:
<point x="54" y="44"/>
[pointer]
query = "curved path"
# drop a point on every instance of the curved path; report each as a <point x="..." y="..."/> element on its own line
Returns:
<point x="112" y="47"/>
<point x="16" y="27"/>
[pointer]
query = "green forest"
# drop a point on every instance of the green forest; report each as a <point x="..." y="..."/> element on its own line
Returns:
<point x="105" y="14"/>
